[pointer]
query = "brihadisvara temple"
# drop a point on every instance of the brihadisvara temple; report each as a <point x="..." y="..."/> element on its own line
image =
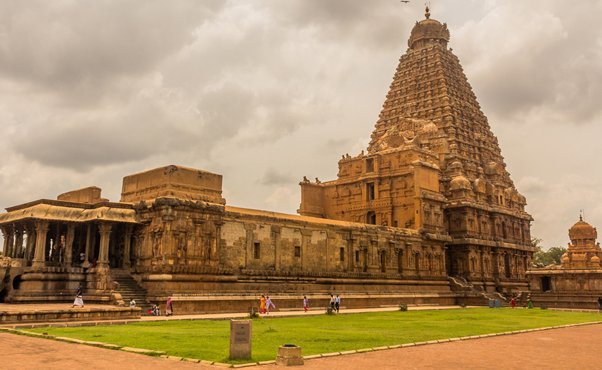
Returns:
<point x="428" y="214"/>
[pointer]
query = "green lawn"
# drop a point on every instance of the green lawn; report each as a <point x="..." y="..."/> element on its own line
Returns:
<point x="209" y="340"/>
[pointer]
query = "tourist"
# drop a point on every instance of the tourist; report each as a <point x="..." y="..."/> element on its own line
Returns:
<point x="82" y="258"/>
<point x="529" y="302"/>
<point x="79" y="297"/>
<point x="337" y="303"/>
<point x="154" y="311"/>
<point x="268" y="304"/>
<point x="262" y="304"/>
<point x="305" y="303"/>
<point x="600" y="304"/>
<point x="132" y="303"/>
<point x="169" y="307"/>
<point x="513" y="302"/>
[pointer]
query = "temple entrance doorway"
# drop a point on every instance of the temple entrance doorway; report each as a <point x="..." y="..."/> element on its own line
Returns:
<point x="546" y="283"/>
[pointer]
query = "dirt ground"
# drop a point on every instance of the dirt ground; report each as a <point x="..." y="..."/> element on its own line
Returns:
<point x="569" y="348"/>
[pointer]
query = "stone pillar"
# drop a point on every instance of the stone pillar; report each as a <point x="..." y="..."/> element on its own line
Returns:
<point x="217" y="240"/>
<point x="29" y="244"/>
<point x="69" y="244"/>
<point x="89" y="244"/>
<point x="40" y="250"/>
<point x="11" y="242"/>
<point x="18" y="247"/>
<point x="276" y="243"/>
<point x="127" y="243"/>
<point x="5" y="237"/>
<point x="104" y="229"/>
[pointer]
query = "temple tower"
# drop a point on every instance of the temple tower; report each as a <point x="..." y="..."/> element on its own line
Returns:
<point x="433" y="164"/>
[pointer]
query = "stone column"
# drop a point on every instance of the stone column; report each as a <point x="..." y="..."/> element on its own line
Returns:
<point x="10" y="246"/>
<point x="89" y="245"/>
<point x="29" y="243"/>
<point x="40" y="251"/>
<point x="18" y="247"/>
<point x="5" y="237"/>
<point x="127" y="242"/>
<point x="69" y="244"/>
<point x="276" y="243"/>
<point x="217" y="240"/>
<point x="104" y="229"/>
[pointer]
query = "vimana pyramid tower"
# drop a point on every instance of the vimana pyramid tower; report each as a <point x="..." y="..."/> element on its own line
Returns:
<point x="434" y="165"/>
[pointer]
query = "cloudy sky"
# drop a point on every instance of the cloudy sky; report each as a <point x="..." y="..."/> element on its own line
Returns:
<point x="267" y="91"/>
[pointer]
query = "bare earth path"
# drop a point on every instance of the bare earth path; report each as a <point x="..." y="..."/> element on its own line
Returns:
<point x="571" y="348"/>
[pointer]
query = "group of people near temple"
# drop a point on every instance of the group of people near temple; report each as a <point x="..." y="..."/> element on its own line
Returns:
<point x="265" y="304"/>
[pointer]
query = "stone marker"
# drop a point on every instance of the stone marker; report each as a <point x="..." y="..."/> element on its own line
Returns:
<point x="240" y="339"/>
<point x="289" y="355"/>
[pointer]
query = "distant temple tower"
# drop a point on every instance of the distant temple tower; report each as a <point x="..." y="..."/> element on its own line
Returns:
<point x="577" y="281"/>
<point x="434" y="165"/>
<point x="583" y="252"/>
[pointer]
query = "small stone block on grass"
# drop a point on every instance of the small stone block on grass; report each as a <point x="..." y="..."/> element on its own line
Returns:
<point x="270" y="362"/>
<point x="364" y="350"/>
<point x="348" y="352"/>
<point x="331" y="354"/>
<point x="405" y="345"/>
<point x="394" y="346"/>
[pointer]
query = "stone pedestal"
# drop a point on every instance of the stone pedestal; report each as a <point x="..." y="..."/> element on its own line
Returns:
<point x="289" y="355"/>
<point x="240" y="339"/>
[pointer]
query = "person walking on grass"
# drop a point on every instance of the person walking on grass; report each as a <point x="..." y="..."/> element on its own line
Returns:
<point x="268" y="304"/>
<point x="305" y="303"/>
<point x="337" y="303"/>
<point x="262" y="304"/>
<point x="79" y="297"/>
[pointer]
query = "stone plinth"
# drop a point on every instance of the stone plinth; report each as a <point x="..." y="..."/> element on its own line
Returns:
<point x="289" y="355"/>
<point x="240" y="339"/>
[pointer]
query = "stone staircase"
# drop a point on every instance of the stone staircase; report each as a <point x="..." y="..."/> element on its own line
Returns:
<point x="129" y="289"/>
<point x="463" y="285"/>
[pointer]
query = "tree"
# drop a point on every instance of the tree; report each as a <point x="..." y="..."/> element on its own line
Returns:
<point x="543" y="258"/>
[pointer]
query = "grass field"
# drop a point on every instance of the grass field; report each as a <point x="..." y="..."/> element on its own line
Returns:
<point x="209" y="340"/>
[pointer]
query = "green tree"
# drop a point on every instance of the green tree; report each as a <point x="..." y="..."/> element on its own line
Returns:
<point x="543" y="258"/>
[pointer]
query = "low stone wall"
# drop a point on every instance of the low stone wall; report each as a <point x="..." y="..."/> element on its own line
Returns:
<point x="244" y="303"/>
<point x="566" y="300"/>
<point x="79" y="314"/>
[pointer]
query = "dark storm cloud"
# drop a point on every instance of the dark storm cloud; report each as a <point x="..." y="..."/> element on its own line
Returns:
<point x="81" y="143"/>
<point x="65" y="45"/>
